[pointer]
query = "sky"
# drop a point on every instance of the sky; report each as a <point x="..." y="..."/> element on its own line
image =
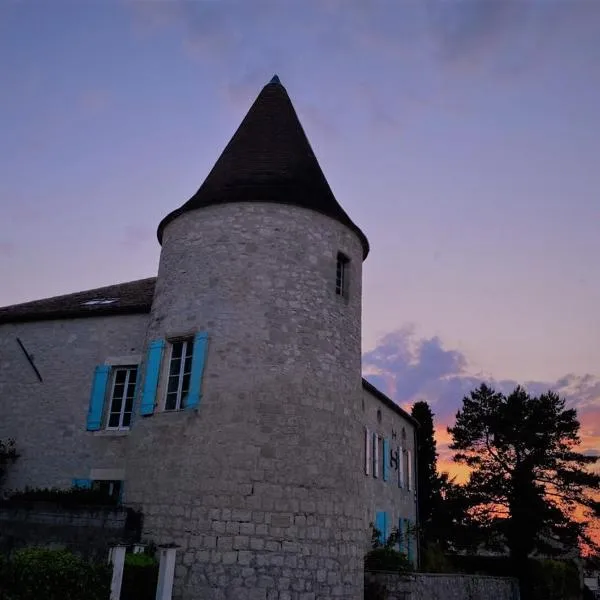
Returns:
<point x="463" y="137"/>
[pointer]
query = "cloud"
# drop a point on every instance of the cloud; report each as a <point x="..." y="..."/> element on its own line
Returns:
<point x="409" y="368"/>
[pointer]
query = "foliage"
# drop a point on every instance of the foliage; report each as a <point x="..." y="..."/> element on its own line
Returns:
<point x="35" y="573"/>
<point x="429" y="495"/>
<point x="385" y="556"/>
<point x="526" y="477"/>
<point x="434" y="560"/>
<point x="375" y="590"/>
<point x="65" y="498"/>
<point x="8" y="455"/>
<point x="553" y="580"/>
<point x="140" y="576"/>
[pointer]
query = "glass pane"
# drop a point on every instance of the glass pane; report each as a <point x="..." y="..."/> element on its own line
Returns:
<point x="186" y="384"/>
<point x="118" y="391"/>
<point x="188" y="364"/>
<point x="173" y="384"/>
<point x="177" y="349"/>
<point x="113" y="421"/>
<point x="129" y="404"/>
<point x="189" y="347"/>
<point x="120" y="375"/>
<point x="126" y="419"/>
<point x="171" y="403"/>
<point x="116" y="404"/>
<point x="175" y="366"/>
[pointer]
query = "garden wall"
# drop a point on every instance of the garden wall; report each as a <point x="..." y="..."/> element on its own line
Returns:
<point x="433" y="586"/>
<point x="88" y="532"/>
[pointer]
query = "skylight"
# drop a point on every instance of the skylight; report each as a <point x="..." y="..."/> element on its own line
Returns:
<point x="99" y="301"/>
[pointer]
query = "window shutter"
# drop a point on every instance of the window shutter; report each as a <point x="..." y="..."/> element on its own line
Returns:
<point x="198" y="359"/>
<point x="409" y="481"/>
<point x="400" y="467"/>
<point x="381" y="525"/>
<point x="151" y="378"/>
<point x="96" y="408"/>
<point x="409" y="549"/>
<point x="367" y="452"/>
<point x="385" y="459"/>
<point x="84" y="484"/>
<point x="375" y="455"/>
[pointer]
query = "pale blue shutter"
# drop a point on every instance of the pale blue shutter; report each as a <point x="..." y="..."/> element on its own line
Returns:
<point x="96" y="408"/>
<point x="198" y="359"/>
<point x="85" y="484"/>
<point x="151" y="379"/>
<point x="381" y="525"/>
<point x="408" y="540"/>
<point x="385" y="459"/>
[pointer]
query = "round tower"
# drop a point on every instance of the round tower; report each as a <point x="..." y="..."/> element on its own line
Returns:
<point x="247" y="450"/>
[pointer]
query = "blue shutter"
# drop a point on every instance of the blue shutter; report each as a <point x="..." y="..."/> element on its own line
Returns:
<point x="408" y="539"/>
<point x="151" y="379"/>
<point x="94" y="416"/>
<point x="85" y="484"/>
<point x="381" y="525"/>
<point x="375" y="456"/>
<point x="385" y="459"/>
<point x="198" y="358"/>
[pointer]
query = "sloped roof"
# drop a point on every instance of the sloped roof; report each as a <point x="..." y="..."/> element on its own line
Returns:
<point x="269" y="159"/>
<point x="122" y="298"/>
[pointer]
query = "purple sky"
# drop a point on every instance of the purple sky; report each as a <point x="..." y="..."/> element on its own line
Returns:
<point x="463" y="137"/>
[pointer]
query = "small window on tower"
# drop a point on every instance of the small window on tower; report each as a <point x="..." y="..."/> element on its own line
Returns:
<point x="180" y="368"/>
<point x="341" y="275"/>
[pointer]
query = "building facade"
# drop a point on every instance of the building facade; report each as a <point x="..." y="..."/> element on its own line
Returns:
<point x="224" y="398"/>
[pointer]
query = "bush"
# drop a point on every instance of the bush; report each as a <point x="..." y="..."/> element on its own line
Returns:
<point x="69" y="498"/>
<point x="36" y="573"/>
<point x="140" y="576"/>
<point x="384" y="556"/>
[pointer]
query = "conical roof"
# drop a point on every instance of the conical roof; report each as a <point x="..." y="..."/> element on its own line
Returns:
<point x="269" y="159"/>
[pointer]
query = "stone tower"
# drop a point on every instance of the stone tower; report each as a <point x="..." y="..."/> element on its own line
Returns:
<point x="264" y="474"/>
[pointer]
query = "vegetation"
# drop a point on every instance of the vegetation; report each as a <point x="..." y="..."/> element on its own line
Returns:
<point x="527" y="480"/>
<point x="140" y="576"/>
<point x="385" y="556"/>
<point x="64" y="498"/>
<point x="36" y="573"/>
<point x="8" y="455"/>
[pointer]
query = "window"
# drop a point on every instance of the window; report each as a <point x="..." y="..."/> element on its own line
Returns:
<point x="110" y="488"/>
<point x="341" y="275"/>
<point x="121" y="397"/>
<point x="180" y="369"/>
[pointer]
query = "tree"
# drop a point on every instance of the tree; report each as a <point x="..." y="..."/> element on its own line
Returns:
<point x="527" y="480"/>
<point x="428" y="481"/>
<point x="8" y="455"/>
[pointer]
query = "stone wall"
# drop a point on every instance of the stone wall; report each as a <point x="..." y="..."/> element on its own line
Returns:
<point x="433" y="586"/>
<point x="87" y="531"/>
<point x="398" y="502"/>
<point x="263" y="486"/>
<point x="48" y="418"/>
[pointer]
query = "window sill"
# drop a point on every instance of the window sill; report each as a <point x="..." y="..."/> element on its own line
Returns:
<point x="112" y="432"/>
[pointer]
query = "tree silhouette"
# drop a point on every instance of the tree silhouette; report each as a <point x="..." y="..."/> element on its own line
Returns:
<point x="527" y="480"/>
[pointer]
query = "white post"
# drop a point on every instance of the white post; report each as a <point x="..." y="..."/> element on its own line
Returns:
<point x="166" y="572"/>
<point x="116" y="557"/>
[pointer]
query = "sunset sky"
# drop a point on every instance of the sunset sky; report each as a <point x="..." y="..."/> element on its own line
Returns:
<point x="463" y="137"/>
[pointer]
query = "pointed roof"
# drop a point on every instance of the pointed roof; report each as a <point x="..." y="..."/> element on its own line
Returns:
<point x="269" y="159"/>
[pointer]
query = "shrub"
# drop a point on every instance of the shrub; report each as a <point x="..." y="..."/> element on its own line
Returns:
<point x="385" y="556"/>
<point x="140" y="576"/>
<point x="35" y="573"/>
<point x="69" y="498"/>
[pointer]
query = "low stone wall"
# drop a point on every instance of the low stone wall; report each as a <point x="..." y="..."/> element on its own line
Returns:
<point x="86" y="531"/>
<point x="433" y="586"/>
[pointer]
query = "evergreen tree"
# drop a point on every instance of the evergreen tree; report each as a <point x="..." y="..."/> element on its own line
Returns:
<point x="527" y="480"/>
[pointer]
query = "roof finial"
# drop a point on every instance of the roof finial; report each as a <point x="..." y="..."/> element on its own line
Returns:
<point x="275" y="79"/>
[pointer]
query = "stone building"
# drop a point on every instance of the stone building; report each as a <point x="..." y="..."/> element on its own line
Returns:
<point x="224" y="397"/>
